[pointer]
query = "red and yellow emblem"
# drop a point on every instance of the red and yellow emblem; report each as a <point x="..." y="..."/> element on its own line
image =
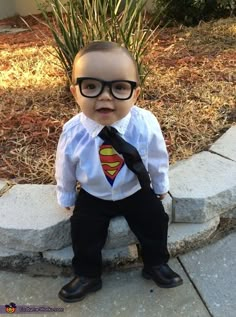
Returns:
<point x="11" y="308"/>
<point x="111" y="162"/>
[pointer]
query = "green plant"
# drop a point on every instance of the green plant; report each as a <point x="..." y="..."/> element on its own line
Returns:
<point x="190" y="12"/>
<point x="77" y="23"/>
<point x="227" y="6"/>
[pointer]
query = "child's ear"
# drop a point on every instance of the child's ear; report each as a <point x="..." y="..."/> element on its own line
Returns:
<point x="137" y="93"/>
<point x="73" y="90"/>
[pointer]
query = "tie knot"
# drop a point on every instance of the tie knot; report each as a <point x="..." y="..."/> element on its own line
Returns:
<point x="111" y="129"/>
<point x="107" y="132"/>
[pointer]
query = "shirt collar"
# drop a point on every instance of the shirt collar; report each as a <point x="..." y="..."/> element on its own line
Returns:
<point x="94" y="128"/>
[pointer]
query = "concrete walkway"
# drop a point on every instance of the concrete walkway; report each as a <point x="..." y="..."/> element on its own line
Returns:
<point x="209" y="289"/>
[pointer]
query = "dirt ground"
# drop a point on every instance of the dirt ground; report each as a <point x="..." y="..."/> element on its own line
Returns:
<point x="191" y="90"/>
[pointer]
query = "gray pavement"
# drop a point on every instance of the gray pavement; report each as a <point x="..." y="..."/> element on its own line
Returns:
<point x="209" y="289"/>
<point x="213" y="272"/>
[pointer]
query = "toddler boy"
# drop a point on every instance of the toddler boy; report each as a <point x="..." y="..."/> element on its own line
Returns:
<point x="117" y="153"/>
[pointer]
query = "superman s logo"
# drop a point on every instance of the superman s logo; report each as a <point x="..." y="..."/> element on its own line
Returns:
<point x="111" y="162"/>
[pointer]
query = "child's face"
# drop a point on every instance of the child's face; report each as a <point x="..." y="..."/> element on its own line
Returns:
<point x="108" y="66"/>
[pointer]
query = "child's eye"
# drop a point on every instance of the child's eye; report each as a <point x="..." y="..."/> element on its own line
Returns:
<point x="121" y="86"/>
<point x="90" y="86"/>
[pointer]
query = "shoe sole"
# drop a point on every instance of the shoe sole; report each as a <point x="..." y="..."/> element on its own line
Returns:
<point x="73" y="300"/>
<point x="148" y="276"/>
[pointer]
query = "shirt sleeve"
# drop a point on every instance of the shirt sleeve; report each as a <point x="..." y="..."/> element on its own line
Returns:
<point x="65" y="174"/>
<point x="158" y="159"/>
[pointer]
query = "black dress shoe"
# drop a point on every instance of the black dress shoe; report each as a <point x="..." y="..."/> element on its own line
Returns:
<point x="78" y="288"/>
<point x="162" y="275"/>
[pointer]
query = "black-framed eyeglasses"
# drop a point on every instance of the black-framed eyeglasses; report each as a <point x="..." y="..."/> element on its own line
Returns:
<point x="93" y="87"/>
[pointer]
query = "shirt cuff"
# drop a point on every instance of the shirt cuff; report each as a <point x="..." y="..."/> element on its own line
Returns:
<point x="159" y="190"/>
<point x="66" y="199"/>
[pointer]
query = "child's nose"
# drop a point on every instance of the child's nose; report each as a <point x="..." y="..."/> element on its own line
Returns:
<point x="106" y="94"/>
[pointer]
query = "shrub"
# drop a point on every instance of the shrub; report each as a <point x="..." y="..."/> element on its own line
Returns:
<point x="190" y="12"/>
<point x="77" y="23"/>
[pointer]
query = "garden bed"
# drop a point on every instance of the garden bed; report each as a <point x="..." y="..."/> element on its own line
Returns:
<point x="191" y="90"/>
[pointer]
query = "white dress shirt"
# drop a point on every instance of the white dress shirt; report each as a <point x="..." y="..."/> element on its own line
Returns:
<point x="78" y="159"/>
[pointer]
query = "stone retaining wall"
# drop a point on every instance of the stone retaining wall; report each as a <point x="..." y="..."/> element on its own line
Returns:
<point x="35" y="231"/>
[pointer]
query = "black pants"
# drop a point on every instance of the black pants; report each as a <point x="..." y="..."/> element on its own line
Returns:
<point x="145" y="215"/>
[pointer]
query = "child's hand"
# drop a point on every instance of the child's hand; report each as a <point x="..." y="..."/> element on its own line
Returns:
<point x="161" y="196"/>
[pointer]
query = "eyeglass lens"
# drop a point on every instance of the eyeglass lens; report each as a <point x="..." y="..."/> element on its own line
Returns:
<point x="93" y="88"/>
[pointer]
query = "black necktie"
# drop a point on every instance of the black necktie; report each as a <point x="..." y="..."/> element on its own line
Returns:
<point x="131" y="155"/>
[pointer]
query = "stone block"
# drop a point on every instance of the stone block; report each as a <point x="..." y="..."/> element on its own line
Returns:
<point x="226" y="144"/>
<point x="230" y="215"/>
<point x="167" y="204"/>
<point x="121" y="255"/>
<point x="183" y="237"/>
<point x="119" y="234"/>
<point x="31" y="219"/>
<point x="17" y="260"/>
<point x="59" y="257"/>
<point x="110" y="257"/>
<point x="202" y="187"/>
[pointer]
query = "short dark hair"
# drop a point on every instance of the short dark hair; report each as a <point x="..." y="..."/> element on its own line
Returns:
<point x="103" y="46"/>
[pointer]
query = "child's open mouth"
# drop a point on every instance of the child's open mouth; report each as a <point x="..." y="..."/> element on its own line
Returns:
<point x="105" y="110"/>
